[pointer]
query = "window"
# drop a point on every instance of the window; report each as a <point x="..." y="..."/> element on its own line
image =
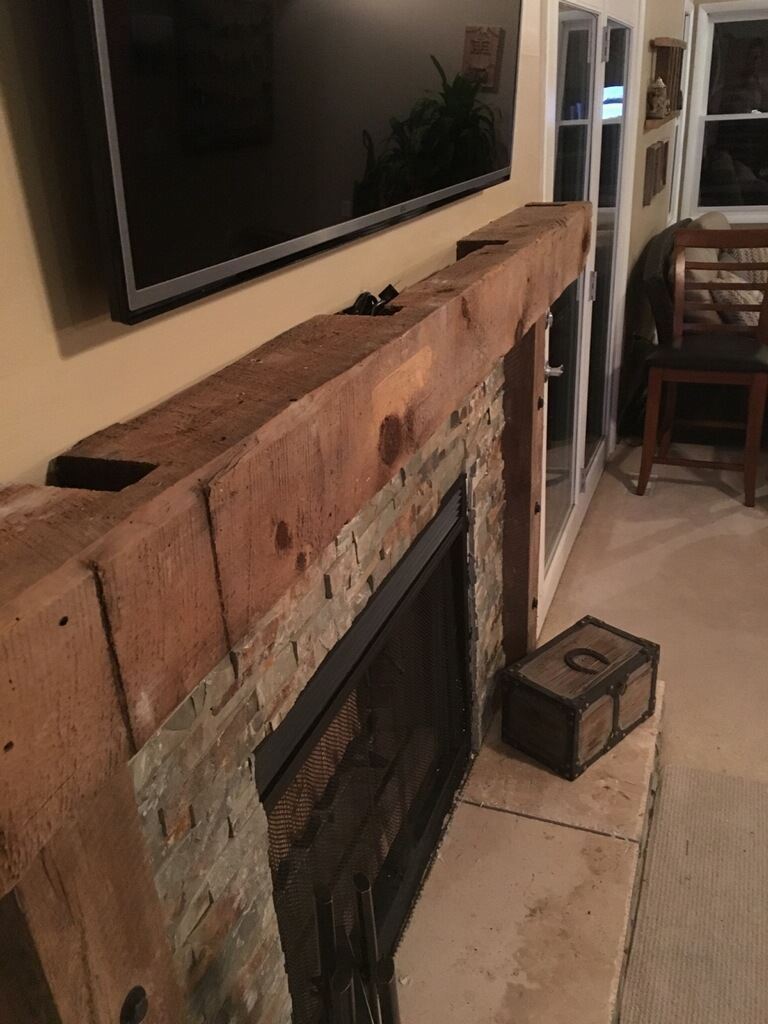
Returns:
<point x="730" y="112"/>
<point x="613" y="102"/>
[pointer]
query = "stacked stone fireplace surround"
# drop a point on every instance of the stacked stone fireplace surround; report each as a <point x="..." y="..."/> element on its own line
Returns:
<point x="199" y="807"/>
<point x="133" y="844"/>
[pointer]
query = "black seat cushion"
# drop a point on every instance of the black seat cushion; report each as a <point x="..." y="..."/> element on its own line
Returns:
<point x="726" y="352"/>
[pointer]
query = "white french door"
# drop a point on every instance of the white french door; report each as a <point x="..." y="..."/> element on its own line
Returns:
<point x="590" y="150"/>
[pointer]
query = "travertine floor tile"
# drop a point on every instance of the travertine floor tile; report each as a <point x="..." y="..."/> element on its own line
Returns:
<point x="520" y="922"/>
<point x="611" y="796"/>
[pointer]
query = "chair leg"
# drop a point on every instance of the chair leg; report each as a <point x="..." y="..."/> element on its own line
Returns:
<point x="668" y="418"/>
<point x="757" y="397"/>
<point x="651" y="431"/>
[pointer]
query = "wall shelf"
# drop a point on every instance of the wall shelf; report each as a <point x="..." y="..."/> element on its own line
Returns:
<point x="659" y="122"/>
<point x="667" y="43"/>
<point x="668" y="57"/>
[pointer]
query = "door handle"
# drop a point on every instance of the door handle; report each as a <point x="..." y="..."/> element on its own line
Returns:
<point x="553" y="371"/>
<point x="549" y="319"/>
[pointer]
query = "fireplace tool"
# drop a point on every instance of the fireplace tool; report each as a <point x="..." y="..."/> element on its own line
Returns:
<point x="355" y="988"/>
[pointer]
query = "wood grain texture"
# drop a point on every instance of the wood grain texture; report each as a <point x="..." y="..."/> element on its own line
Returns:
<point x="595" y="728"/>
<point x="636" y="701"/>
<point x="62" y="730"/>
<point x="522" y="446"/>
<point x="94" y="916"/>
<point x="40" y="527"/>
<point x="548" y="669"/>
<point x="193" y="434"/>
<point x="162" y="603"/>
<point x="536" y="725"/>
<point x="318" y="463"/>
<point x="286" y="445"/>
<point x="279" y="503"/>
<point x="517" y="227"/>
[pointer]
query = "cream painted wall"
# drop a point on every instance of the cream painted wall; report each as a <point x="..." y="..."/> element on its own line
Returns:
<point x="67" y="369"/>
<point x="662" y="18"/>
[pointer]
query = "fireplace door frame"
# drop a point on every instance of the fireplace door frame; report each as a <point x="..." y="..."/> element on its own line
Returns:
<point x="278" y="758"/>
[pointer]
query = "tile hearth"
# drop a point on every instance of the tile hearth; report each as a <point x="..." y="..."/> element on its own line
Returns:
<point x="524" y="916"/>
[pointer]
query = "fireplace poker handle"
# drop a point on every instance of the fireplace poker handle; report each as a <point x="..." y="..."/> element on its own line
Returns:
<point x="369" y="942"/>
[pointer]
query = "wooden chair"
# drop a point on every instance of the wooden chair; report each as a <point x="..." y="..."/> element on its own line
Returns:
<point x="709" y="353"/>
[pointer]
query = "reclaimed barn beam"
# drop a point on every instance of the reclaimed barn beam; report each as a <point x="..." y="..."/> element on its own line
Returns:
<point x="85" y="926"/>
<point x="63" y="727"/>
<point x="256" y="470"/>
<point x="522" y="446"/>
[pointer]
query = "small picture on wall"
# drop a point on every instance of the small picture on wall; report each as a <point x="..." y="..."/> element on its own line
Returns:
<point x="483" y="48"/>
<point x="655" y="180"/>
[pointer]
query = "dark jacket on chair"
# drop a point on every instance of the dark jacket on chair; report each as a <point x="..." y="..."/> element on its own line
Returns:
<point x="648" y="281"/>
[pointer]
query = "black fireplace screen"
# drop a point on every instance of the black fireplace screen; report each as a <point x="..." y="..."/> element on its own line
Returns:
<point x="360" y="775"/>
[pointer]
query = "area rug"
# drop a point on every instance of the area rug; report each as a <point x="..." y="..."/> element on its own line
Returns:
<point x="699" y="953"/>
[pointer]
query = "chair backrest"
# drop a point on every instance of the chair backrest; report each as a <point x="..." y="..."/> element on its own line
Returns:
<point x="705" y="294"/>
<point x="656" y="265"/>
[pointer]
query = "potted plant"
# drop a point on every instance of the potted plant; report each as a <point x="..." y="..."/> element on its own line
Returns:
<point x="446" y="138"/>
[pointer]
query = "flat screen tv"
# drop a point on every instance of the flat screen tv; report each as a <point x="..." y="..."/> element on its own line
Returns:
<point x="232" y="136"/>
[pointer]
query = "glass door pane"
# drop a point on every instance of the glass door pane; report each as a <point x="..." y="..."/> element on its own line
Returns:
<point x="561" y="414"/>
<point x="574" y="103"/>
<point x="576" y="53"/>
<point x="612" y="117"/>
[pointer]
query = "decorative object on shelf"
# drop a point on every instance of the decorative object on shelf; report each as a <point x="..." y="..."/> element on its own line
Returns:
<point x="572" y="700"/>
<point x="658" y="122"/>
<point x="658" y="100"/>
<point x="668" y="65"/>
<point x="656" y="164"/>
<point x="483" y="50"/>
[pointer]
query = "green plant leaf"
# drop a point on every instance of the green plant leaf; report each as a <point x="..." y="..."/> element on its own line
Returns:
<point x="447" y="137"/>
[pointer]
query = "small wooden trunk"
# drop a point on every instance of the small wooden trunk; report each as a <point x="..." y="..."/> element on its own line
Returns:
<point x="576" y="697"/>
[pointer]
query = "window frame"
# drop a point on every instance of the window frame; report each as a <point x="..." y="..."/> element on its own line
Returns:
<point x="707" y="16"/>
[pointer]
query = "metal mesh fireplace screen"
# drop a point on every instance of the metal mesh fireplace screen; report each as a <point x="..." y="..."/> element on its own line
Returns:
<point x="367" y="785"/>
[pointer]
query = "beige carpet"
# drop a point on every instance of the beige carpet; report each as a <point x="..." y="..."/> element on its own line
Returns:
<point x="685" y="565"/>
<point x="700" y="948"/>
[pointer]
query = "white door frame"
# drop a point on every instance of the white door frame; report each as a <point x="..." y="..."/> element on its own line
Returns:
<point x="631" y="14"/>
<point x="634" y="105"/>
<point x="549" y="574"/>
<point x="707" y="16"/>
<point x="681" y="127"/>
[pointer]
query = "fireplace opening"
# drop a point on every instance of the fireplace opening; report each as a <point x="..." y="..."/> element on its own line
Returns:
<point x="361" y="773"/>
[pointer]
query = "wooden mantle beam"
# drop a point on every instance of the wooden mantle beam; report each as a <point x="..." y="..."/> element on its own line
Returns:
<point x="258" y="468"/>
<point x="85" y="926"/>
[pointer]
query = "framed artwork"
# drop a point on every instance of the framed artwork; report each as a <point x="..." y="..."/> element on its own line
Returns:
<point x="483" y="50"/>
<point x="656" y="162"/>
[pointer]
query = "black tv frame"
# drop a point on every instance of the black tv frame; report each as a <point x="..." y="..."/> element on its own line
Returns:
<point x="113" y="218"/>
